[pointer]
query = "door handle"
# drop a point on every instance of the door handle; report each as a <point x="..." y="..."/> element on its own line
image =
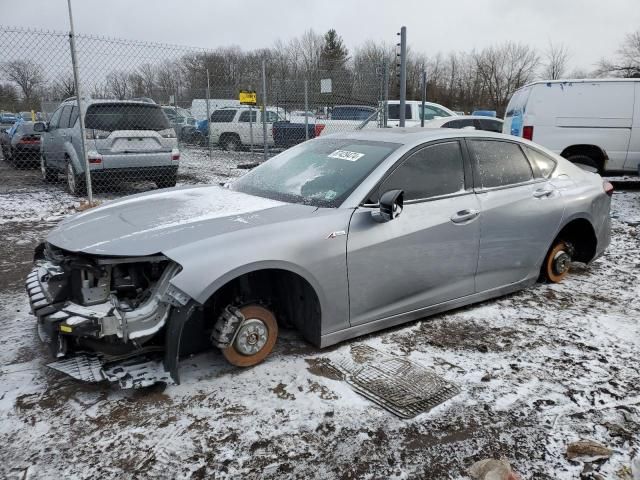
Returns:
<point x="543" y="192"/>
<point x="464" y="215"/>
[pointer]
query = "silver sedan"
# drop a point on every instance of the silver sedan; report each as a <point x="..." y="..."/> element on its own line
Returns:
<point x="337" y="237"/>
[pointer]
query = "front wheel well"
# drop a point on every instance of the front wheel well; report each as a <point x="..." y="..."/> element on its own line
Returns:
<point x="581" y="235"/>
<point x="288" y="295"/>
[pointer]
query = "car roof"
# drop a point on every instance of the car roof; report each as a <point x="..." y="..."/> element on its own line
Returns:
<point x="580" y="80"/>
<point x="414" y="135"/>
<point x="94" y="101"/>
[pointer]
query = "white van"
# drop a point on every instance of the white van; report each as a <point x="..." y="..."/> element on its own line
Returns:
<point x="592" y="122"/>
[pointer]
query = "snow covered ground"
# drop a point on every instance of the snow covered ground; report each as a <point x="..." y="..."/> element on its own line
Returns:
<point x="537" y="369"/>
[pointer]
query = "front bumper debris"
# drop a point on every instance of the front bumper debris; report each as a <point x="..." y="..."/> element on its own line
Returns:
<point x="85" y="339"/>
<point x="132" y="373"/>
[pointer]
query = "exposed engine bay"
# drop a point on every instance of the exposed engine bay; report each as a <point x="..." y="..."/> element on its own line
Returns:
<point x="103" y="309"/>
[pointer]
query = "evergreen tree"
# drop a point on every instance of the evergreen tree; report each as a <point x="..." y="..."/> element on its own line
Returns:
<point x="334" y="54"/>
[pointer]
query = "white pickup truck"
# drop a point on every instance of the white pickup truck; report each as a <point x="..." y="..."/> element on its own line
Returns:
<point x="234" y="127"/>
<point x="412" y="112"/>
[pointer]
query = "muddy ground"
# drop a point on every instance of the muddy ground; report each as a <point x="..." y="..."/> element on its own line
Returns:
<point x="537" y="370"/>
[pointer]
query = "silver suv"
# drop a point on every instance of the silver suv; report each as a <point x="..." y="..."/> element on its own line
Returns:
<point x="125" y="141"/>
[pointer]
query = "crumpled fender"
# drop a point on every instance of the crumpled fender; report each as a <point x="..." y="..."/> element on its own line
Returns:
<point x="175" y="325"/>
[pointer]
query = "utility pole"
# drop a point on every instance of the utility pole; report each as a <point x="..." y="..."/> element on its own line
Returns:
<point x="424" y="96"/>
<point x="208" y="115"/>
<point x="264" y="110"/>
<point x="386" y="93"/>
<point x="403" y="75"/>
<point x="76" y="84"/>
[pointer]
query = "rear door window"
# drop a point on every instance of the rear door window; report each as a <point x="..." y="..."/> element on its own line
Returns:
<point x="518" y="103"/>
<point x="126" y="116"/>
<point x="248" y="116"/>
<point x="498" y="163"/>
<point x="430" y="172"/>
<point x="223" y="116"/>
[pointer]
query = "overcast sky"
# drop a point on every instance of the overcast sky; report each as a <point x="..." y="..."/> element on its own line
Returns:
<point x="590" y="29"/>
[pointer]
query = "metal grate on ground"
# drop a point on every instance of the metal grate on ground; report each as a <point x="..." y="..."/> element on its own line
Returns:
<point x="402" y="387"/>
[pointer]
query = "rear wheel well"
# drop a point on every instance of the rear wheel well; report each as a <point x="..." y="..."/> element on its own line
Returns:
<point x="581" y="235"/>
<point x="592" y="151"/>
<point x="289" y="296"/>
<point x="229" y="136"/>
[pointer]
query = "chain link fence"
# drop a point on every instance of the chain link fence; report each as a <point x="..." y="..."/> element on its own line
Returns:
<point x="157" y="115"/>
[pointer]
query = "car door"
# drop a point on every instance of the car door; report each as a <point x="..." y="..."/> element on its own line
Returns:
<point x="50" y="144"/>
<point x="429" y="253"/>
<point x="248" y="127"/>
<point x="520" y="214"/>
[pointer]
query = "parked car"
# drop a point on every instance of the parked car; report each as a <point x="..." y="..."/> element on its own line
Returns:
<point x="183" y="123"/>
<point x="122" y="291"/>
<point x="413" y="115"/>
<point x="591" y="122"/>
<point x="233" y="127"/>
<point x="7" y="119"/>
<point x="21" y="145"/>
<point x="467" y="121"/>
<point x="127" y="140"/>
<point x="484" y="113"/>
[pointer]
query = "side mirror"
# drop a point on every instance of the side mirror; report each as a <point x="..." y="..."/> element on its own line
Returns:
<point x="391" y="204"/>
<point x="40" y="127"/>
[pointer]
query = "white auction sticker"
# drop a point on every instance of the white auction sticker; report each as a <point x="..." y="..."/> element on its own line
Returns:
<point x="346" y="155"/>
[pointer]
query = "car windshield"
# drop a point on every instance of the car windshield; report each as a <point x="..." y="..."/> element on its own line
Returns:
<point x="322" y="172"/>
<point x="126" y="116"/>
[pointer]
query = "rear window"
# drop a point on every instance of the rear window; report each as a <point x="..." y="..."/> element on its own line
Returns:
<point x="126" y="116"/>
<point x="518" y="102"/>
<point x="351" y="113"/>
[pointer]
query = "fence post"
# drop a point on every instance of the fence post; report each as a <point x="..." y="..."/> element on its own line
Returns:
<point x="208" y="115"/>
<point x="386" y="93"/>
<point x="306" y="110"/>
<point x="403" y="75"/>
<point x="424" y="96"/>
<point x="264" y="109"/>
<point x="76" y="84"/>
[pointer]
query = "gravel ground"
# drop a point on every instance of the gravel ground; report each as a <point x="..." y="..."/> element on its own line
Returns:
<point x="537" y="369"/>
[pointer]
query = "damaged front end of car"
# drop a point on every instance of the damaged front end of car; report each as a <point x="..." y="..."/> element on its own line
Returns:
<point x="104" y="318"/>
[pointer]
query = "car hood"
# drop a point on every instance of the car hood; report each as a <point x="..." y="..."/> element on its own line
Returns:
<point x="155" y="222"/>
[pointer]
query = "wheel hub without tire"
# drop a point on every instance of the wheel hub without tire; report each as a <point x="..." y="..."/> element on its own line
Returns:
<point x="561" y="262"/>
<point x="252" y="337"/>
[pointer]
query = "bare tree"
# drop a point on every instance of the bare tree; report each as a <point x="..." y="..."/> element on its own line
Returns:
<point x="556" y="58"/>
<point x="504" y="69"/>
<point x="28" y="75"/>
<point x="63" y="87"/>
<point x="626" y="62"/>
<point x="118" y="84"/>
<point x="8" y="97"/>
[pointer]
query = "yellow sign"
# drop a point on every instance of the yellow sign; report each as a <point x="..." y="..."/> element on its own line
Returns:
<point x="65" y="328"/>
<point x="247" y="97"/>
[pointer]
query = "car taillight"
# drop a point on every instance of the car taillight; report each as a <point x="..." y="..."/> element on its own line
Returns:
<point x="94" y="157"/>
<point x="608" y="188"/>
<point x="93" y="134"/>
<point x="175" y="154"/>
<point x="318" y="129"/>
<point x="168" y="133"/>
<point x="29" y="140"/>
<point x="527" y="132"/>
